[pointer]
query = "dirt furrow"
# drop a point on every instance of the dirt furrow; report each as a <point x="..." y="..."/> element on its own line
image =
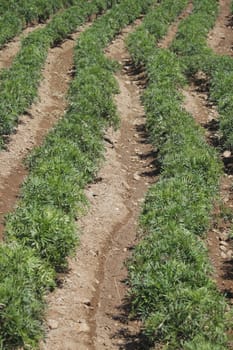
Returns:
<point x="34" y="125"/>
<point x="220" y="38"/>
<point x="87" y="312"/>
<point x="113" y="329"/>
<point x="10" y="49"/>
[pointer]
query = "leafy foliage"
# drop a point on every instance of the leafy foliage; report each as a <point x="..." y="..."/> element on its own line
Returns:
<point x="14" y="15"/>
<point x="19" y="83"/>
<point x="191" y="45"/>
<point x="24" y="281"/>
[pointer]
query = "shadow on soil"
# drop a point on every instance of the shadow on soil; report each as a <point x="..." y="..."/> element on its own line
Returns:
<point x="228" y="272"/>
<point x="138" y="73"/>
<point x="155" y="165"/>
<point x="130" y="340"/>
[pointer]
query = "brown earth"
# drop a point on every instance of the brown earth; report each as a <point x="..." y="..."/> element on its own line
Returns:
<point x="220" y="37"/>
<point x="88" y="312"/>
<point x="34" y="125"/>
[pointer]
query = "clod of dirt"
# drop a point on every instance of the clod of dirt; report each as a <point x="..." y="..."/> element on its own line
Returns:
<point x="52" y="324"/>
<point x="226" y="154"/>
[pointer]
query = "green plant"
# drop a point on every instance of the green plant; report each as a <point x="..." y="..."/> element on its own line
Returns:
<point x="169" y="272"/>
<point x="24" y="279"/>
<point x="19" y="83"/>
<point x="14" y="15"/>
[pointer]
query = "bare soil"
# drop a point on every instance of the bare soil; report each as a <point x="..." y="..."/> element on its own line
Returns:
<point x="220" y="38"/>
<point x="88" y="312"/>
<point x="34" y="125"/>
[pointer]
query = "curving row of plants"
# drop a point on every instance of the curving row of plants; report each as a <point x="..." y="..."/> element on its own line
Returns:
<point x="170" y="283"/>
<point x="15" y="15"/>
<point x="19" y="83"/>
<point x="41" y="233"/>
<point x="191" y="45"/>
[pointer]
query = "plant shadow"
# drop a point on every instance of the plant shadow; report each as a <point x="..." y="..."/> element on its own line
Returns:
<point x="126" y="338"/>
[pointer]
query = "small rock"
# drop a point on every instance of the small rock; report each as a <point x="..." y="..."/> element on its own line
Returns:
<point x="125" y="250"/>
<point x="83" y="327"/>
<point x="224" y="243"/>
<point x="223" y="236"/>
<point x="229" y="254"/>
<point x="226" y="154"/>
<point x="223" y="248"/>
<point x="136" y="177"/>
<point x="53" y="324"/>
<point x="126" y="185"/>
<point x="223" y="255"/>
<point x="87" y="302"/>
<point x="93" y="253"/>
<point x="215" y="231"/>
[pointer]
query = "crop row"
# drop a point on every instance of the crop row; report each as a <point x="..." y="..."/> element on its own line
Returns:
<point x="14" y="15"/>
<point x="42" y="230"/>
<point x="19" y="83"/>
<point x="191" y="45"/>
<point x="171" y="287"/>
